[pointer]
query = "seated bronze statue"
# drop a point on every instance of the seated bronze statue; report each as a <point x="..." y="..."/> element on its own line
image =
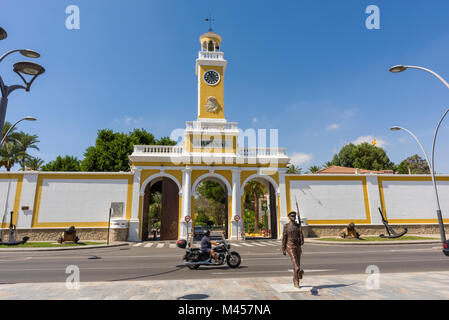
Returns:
<point x="349" y="232"/>
<point x="69" y="235"/>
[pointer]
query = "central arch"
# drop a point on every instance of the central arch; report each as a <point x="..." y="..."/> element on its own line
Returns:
<point x="223" y="182"/>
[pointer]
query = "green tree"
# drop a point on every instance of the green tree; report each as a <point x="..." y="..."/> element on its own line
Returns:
<point x="26" y="141"/>
<point x="12" y="135"/>
<point x="413" y="165"/>
<point x="112" y="149"/>
<point x="155" y="209"/>
<point x="10" y="154"/>
<point x="254" y="191"/>
<point x="363" y="156"/>
<point x="314" y="169"/>
<point x="212" y="201"/>
<point x="34" y="163"/>
<point x="294" y="169"/>
<point x="68" y="163"/>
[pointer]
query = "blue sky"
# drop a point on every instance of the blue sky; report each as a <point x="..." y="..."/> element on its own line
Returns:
<point x="308" y="68"/>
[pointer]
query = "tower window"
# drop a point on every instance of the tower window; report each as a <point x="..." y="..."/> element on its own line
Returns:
<point x="210" y="46"/>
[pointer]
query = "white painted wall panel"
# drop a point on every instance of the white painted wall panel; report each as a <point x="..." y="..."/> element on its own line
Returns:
<point x="80" y="200"/>
<point x="414" y="199"/>
<point x="328" y="200"/>
<point x="7" y="196"/>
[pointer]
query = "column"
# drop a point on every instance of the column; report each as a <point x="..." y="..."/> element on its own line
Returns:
<point x="186" y="201"/>
<point x="133" y="234"/>
<point x="25" y="213"/>
<point x="283" y="198"/>
<point x="236" y="227"/>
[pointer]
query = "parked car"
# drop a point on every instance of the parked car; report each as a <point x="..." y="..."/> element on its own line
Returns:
<point x="198" y="232"/>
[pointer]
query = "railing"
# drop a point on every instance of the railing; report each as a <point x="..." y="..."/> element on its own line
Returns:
<point x="209" y="55"/>
<point x="200" y="125"/>
<point x="158" y="149"/>
<point x="254" y="152"/>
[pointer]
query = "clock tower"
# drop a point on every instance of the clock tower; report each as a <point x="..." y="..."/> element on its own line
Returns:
<point x="210" y="68"/>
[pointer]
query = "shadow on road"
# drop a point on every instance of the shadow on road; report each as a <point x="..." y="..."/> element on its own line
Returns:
<point x="193" y="297"/>
<point x="315" y="289"/>
<point x="152" y="275"/>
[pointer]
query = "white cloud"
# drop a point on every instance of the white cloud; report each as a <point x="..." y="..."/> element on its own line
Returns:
<point x="369" y="139"/>
<point x="299" y="158"/>
<point x="333" y="126"/>
<point x="255" y="120"/>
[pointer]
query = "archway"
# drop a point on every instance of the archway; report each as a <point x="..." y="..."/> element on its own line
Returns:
<point x="210" y="205"/>
<point x="160" y="194"/>
<point x="260" y="200"/>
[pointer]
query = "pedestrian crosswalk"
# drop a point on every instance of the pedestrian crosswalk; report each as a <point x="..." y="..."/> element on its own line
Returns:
<point x="241" y="244"/>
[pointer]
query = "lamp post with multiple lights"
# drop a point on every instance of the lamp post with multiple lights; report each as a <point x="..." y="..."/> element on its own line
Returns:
<point x="21" y="68"/>
<point x="401" y="68"/>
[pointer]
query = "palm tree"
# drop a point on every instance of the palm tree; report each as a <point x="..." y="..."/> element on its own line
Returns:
<point x="34" y="163"/>
<point x="294" y="169"/>
<point x="314" y="169"/>
<point x="10" y="154"/>
<point x="12" y="135"/>
<point x="256" y="190"/>
<point x="26" y="141"/>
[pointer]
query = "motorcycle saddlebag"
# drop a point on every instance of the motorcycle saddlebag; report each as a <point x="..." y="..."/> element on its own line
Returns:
<point x="181" y="244"/>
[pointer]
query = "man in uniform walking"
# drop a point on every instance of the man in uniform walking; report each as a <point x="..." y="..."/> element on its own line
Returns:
<point x="292" y="240"/>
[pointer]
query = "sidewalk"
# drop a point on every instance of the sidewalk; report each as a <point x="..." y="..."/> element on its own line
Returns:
<point x="400" y="286"/>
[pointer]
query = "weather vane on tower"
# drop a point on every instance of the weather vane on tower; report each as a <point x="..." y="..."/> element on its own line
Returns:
<point x="210" y="20"/>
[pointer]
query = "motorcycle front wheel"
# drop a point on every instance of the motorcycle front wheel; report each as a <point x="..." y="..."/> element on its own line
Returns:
<point x="233" y="260"/>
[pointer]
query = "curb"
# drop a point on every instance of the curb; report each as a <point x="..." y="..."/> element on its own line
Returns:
<point x="372" y="242"/>
<point x="95" y="246"/>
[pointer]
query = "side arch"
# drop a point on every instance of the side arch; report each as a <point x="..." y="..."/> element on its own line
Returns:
<point x="262" y="177"/>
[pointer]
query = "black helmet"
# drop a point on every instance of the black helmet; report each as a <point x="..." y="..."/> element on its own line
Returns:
<point x="206" y="233"/>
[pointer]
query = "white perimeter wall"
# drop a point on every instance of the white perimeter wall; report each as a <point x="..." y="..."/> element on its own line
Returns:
<point x="328" y="200"/>
<point x="80" y="200"/>
<point x="7" y="196"/>
<point x="414" y="199"/>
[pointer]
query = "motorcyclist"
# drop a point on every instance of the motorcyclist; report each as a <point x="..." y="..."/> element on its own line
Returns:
<point x="206" y="245"/>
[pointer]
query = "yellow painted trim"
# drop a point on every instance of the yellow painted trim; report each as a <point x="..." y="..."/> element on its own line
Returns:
<point x="140" y="215"/>
<point x="37" y="198"/>
<point x="17" y="198"/>
<point x="407" y="178"/>
<point x="329" y="178"/>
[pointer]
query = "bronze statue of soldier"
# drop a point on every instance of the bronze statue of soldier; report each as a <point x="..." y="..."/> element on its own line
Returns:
<point x="292" y="240"/>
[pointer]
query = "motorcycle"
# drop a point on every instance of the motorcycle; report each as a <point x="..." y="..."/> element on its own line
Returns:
<point x="194" y="258"/>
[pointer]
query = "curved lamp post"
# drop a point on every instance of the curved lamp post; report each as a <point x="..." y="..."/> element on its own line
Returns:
<point x="12" y="127"/>
<point x="22" y="69"/>
<point x="401" y="68"/>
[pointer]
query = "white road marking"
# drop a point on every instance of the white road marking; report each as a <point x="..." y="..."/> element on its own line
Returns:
<point x="149" y="245"/>
<point x="160" y="245"/>
<point x="257" y="244"/>
<point x="247" y="244"/>
<point x="172" y="245"/>
<point x="235" y="244"/>
<point x="270" y="244"/>
<point x="138" y="244"/>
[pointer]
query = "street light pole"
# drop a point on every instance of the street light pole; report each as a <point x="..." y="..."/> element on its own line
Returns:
<point x="12" y="127"/>
<point x="432" y="172"/>
<point x="401" y="68"/>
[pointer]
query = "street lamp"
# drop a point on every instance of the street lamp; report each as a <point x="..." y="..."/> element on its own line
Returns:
<point x="432" y="172"/>
<point x="401" y="68"/>
<point x="12" y="127"/>
<point x="23" y="69"/>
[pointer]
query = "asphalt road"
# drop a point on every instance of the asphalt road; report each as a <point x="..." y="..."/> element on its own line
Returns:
<point x="152" y="263"/>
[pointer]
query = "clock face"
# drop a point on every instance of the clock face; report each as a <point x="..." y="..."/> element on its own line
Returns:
<point x="211" y="77"/>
